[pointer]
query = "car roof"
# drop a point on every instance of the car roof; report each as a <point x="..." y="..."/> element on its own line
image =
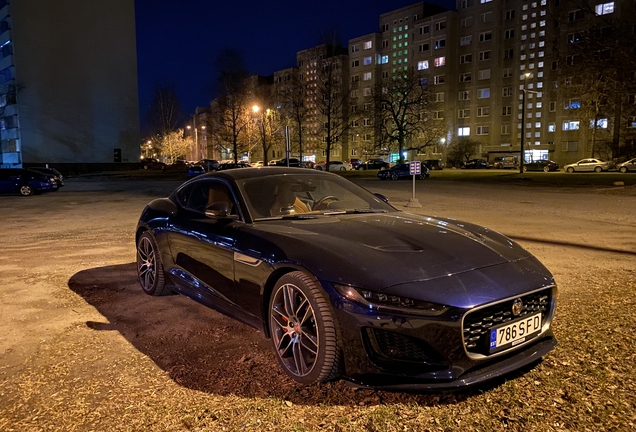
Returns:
<point x="248" y="173"/>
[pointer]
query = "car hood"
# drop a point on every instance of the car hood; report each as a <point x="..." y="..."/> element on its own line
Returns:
<point x="381" y="250"/>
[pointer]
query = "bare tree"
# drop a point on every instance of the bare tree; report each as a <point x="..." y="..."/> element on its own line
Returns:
<point x="173" y="145"/>
<point x="165" y="111"/>
<point x="460" y="151"/>
<point x="331" y="94"/>
<point x="291" y="94"/>
<point x="230" y="113"/>
<point x="405" y="115"/>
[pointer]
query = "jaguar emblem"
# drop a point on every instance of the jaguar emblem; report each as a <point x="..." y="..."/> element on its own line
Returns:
<point x="517" y="307"/>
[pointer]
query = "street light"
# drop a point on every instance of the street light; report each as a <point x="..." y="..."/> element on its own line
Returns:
<point x="523" y="122"/>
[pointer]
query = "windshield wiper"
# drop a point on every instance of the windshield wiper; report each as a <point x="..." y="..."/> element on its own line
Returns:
<point x="352" y="211"/>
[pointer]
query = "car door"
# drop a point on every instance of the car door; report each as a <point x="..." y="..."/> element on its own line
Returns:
<point x="8" y="180"/>
<point x="585" y="165"/>
<point x="202" y="246"/>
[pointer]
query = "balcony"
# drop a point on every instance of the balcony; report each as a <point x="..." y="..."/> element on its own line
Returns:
<point x="6" y="62"/>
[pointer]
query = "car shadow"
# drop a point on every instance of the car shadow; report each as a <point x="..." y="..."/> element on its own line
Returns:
<point x="206" y="351"/>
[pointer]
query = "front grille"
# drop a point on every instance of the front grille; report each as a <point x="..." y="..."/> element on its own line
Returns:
<point x="397" y="346"/>
<point x="477" y="324"/>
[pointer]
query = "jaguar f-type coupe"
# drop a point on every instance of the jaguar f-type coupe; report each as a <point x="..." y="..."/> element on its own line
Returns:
<point x="344" y="284"/>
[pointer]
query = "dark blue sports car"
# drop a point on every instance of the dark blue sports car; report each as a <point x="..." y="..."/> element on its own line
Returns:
<point x="345" y="285"/>
<point x="402" y="171"/>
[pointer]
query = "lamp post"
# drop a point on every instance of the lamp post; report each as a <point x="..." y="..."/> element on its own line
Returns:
<point x="523" y="122"/>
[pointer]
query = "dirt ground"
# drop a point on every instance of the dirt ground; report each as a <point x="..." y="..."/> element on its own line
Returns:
<point x="82" y="348"/>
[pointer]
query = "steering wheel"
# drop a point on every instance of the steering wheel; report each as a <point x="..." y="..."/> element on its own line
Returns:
<point x="322" y="200"/>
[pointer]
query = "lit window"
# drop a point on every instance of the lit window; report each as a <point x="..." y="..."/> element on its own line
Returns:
<point x="600" y="123"/>
<point x="384" y="59"/>
<point x="463" y="131"/>
<point x="367" y="61"/>
<point x="604" y="8"/>
<point x="483" y="93"/>
<point x="367" y="45"/>
<point x="421" y="65"/>
<point x="571" y="125"/>
<point x="440" y="61"/>
<point x="366" y="76"/>
<point x="551" y="127"/>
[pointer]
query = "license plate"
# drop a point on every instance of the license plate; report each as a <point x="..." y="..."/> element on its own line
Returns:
<point x="514" y="333"/>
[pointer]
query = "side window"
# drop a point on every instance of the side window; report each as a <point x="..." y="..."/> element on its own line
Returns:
<point x="200" y="195"/>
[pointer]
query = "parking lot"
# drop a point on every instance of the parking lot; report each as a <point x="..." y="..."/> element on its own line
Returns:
<point x="82" y="348"/>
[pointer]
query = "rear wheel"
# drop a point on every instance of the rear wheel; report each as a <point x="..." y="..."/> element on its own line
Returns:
<point x="303" y="330"/>
<point x="149" y="267"/>
<point x="343" y="169"/>
<point x="26" y="190"/>
<point x="394" y="175"/>
<point x="623" y="169"/>
<point x="546" y="169"/>
<point x="319" y="168"/>
<point x="525" y="169"/>
<point x="570" y="170"/>
<point x="598" y="169"/>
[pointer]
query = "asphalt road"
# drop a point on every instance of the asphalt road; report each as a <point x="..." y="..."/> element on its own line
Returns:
<point x="68" y="284"/>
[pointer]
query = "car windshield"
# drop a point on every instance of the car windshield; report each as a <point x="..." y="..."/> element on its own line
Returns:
<point x="302" y="196"/>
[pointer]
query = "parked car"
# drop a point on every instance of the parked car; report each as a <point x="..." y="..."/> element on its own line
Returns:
<point x="629" y="165"/>
<point x="26" y="182"/>
<point x="209" y="164"/>
<point x="333" y="166"/>
<point x="506" y="162"/>
<point x="541" y="165"/>
<point x="52" y="172"/>
<point x="402" y="171"/>
<point x="272" y="162"/>
<point x="257" y="164"/>
<point x="195" y="170"/>
<point x="476" y="164"/>
<point x="433" y="164"/>
<point x="233" y="165"/>
<point x="179" y="165"/>
<point x="374" y="164"/>
<point x="461" y="304"/>
<point x="152" y="163"/>
<point x="588" y="165"/>
<point x="293" y="162"/>
<point x="355" y="163"/>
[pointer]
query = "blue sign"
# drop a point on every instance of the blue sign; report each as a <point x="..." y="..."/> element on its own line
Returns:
<point x="415" y="168"/>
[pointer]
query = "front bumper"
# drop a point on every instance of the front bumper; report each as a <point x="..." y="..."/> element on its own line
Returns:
<point x="408" y="352"/>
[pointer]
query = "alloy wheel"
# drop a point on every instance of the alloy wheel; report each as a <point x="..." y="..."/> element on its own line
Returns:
<point x="146" y="264"/>
<point x="294" y="330"/>
<point x="26" y="190"/>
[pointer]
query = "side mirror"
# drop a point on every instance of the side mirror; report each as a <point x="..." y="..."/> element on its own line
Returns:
<point x="220" y="210"/>
<point x="382" y="197"/>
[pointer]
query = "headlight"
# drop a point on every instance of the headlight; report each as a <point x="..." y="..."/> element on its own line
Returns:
<point x="387" y="302"/>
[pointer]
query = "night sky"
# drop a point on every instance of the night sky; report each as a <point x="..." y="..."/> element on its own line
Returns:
<point x="178" y="42"/>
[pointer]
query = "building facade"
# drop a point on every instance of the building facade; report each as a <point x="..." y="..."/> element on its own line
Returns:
<point x="68" y="84"/>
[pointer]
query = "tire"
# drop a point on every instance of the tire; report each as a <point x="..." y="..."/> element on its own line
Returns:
<point x="146" y="167"/>
<point x="395" y="176"/>
<point x="546" y="169"/>
<point x="570" y="170"/>
<point x="525" y="169"/>
<point x="598" y="169"/>
<point x="303" y="330"/>
<point x="343" y="169"/>
<point x="623" y="170"/>
<point x="319" y="168"/>
<point x="25" y="190"/>
<point x="149" y="266"/>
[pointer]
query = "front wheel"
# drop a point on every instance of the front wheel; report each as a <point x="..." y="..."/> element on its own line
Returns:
<point x="343" y="169"/>
<point x="303" y="330"/>
<point x="570" y="170"/>
<point x="26" y="190"/>
<point x="319" y="168"/>
<point x="394" y="176"/>
<point x="598" y="169"/>
<point x="546" y="169"/>
<point x="623" y="169"/>
<point x="149" y="267"/>
<point x="525" y="169"/>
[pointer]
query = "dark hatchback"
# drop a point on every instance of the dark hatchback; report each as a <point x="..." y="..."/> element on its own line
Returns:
<point x="476" y="164"/>
<point x="402" y="171"/>
<point x="541" y="165"/>
<point x="25" y="182"/>
<point x="373" y="164"/>
<point x="59" y="178"/>
<point x="345" y="285"/>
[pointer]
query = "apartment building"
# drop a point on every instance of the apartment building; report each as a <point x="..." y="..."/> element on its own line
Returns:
<point x="68" y="84"/>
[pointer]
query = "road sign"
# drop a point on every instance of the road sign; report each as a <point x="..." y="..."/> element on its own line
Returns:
<point x="415" y="168"/>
